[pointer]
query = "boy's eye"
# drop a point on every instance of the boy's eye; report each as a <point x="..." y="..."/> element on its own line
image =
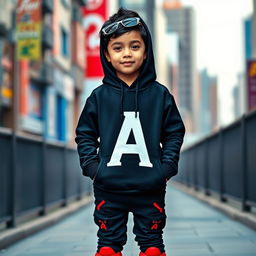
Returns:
<point x="135" y="46"/>
<point x="117" y="48"/>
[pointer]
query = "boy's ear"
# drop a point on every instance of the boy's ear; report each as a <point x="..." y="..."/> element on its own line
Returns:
<point x="107" y="56"/>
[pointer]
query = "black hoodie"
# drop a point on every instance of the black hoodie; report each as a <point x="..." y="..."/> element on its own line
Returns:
<point x="130" y="122"/>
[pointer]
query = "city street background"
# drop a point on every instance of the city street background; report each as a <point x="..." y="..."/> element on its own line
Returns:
<point x="205" y="54"/>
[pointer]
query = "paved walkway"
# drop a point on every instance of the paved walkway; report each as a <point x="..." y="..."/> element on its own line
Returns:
<point x="193" y="229"/>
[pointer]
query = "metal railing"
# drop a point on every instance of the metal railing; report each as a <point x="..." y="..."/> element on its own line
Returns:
<point x="224" y="163"/>
<point x="36" y="176"/>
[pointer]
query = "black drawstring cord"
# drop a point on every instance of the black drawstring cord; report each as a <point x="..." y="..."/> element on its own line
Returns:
<point x="136" y="99"/>
<point x="122" y="92"/>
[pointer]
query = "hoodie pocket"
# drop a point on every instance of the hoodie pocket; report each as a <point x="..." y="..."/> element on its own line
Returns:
<point x="130" y="176"/>
<point x="163" y="169"/>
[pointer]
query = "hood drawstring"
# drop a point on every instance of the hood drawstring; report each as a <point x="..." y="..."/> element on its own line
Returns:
<point x="122" y="92"/>
<point x="136" y="99"/>
<point x="122" y="98"/>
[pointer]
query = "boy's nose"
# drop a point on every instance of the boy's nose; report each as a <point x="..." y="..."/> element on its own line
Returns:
<point x="127" y="52"/>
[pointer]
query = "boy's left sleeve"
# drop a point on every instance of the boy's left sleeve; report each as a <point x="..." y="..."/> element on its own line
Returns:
<point x="172" y="135"/>
<point x="87" y="135"/>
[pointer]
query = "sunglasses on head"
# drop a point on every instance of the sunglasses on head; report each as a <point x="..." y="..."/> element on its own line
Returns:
<point x="128" y="22"/>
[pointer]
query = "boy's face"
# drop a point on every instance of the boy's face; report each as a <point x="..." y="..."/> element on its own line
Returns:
<point x="126" y="54"/>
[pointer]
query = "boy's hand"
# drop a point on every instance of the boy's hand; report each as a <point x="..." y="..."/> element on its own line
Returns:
<point x="91" y="169"/>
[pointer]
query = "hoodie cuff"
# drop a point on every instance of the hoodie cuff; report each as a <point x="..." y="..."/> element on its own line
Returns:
<point x="91" y="169"/>
<point x="170" y="169"/>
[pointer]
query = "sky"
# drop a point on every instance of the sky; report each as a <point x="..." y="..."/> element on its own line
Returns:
<point x="219" y="44"/>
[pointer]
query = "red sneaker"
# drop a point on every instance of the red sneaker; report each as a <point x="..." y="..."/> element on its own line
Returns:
<point x="107" y="251"/>
<point x="152" y="251"/>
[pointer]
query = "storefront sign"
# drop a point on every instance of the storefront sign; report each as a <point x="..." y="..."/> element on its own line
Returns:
<point x="28" y="29"/>
<point x="95" y="13"/>
<point x="30" y="102"/>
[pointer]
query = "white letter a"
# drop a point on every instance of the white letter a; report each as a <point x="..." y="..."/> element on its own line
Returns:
<point x="130" y="124"/>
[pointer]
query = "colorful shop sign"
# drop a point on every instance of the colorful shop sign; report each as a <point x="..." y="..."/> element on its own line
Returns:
<point x="29" y="29"/>
<point x="95" y="13"/>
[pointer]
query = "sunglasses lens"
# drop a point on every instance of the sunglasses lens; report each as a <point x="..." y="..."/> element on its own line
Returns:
<point x="111" y="28"/>
<point x="130" y="22"/>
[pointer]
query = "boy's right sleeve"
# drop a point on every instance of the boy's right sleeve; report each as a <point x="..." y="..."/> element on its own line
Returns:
<point x="87" y="138"/>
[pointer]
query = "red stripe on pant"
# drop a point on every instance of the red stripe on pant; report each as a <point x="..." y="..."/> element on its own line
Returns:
<point x="158" y="207"/>
<point x="100" y="204"/>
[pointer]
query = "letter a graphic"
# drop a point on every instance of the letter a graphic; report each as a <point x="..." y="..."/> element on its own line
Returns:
<point x="154" y="226"/>
<point x="130" y="124"/>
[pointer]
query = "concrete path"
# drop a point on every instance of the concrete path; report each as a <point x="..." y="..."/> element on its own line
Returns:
<point x="193" y="229"/>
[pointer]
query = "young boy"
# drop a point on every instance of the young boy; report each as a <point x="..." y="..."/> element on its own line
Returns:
<point x="132" y="114"/>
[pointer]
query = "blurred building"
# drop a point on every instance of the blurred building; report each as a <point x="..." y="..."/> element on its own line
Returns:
<point x="204" y="124"/>
<point x="6" y="63"/>
<point x="206" y="98"/>
<point x="172" y="55"/>
<point x="213" y="104"/>
<point x="239" y="96"/>
<point x="45" y="91"/>
<point x="248" y="39"/>
<point x="197" y="103"/>
<point x="246" y="91"/>
<point x="181" y="20"/>
<point x="254" y="29"/>
<point x="145" y="8"/>
<point x="162" y="52"/>
<point x="34" y="75"/>
<point x="67" y="70"/>
<point x="248" y="53"/>
<point x="236" y="97"/>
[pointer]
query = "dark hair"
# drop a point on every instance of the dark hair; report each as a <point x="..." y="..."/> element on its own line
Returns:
<point x="120" y="15"/>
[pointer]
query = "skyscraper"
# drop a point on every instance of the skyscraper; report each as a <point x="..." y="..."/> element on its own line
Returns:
<point x="213" y="103"/>
<point x="206" y="104"/>
<point x="181" y="20"/>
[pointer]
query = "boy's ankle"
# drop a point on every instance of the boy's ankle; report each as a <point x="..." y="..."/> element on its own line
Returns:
<point x="152" y="251"/>
<point x="107" y="251"/>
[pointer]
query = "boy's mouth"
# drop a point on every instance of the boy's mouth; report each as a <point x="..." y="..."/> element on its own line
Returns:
<point x="127" y="63"/>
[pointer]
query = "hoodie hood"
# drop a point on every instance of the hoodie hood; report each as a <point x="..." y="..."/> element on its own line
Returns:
<point x="147" y="74"/>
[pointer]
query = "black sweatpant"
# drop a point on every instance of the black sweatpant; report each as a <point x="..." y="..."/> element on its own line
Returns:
<point x="111" y="215"/>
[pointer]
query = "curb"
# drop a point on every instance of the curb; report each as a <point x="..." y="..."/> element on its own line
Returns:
<point x="13" y="235"/>
<point x="244" y="217"/>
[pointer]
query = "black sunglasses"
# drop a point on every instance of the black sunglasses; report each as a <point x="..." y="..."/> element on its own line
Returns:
<point x="128" y="22"/>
